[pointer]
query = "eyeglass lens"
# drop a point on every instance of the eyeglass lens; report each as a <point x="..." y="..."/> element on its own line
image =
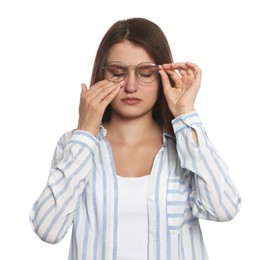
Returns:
<point x="146" y="72"/>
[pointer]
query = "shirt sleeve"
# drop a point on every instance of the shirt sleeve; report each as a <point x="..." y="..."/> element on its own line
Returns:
<point x="52" y="214"/>
<point x="213" y="195"/>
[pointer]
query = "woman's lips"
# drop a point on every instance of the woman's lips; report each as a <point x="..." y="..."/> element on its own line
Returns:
<point x="131" y="101"/>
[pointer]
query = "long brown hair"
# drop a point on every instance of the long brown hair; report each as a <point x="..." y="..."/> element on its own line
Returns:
<point x="148" y="35"/>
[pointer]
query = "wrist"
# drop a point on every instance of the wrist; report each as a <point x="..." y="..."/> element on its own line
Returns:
<point x="183" y="111"/>
<point x="94" y="130"/>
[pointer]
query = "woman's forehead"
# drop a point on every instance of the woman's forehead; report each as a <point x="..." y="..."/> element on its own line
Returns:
<point x="128" y="53"/>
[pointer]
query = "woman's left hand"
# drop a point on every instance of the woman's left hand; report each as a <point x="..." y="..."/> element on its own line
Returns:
<point x="187" y="81"/>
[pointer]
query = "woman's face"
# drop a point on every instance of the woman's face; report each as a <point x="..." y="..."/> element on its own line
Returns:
<point x="135" y="98"/>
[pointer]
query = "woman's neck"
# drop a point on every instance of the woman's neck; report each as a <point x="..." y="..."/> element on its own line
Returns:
<point x="132" y="130"/>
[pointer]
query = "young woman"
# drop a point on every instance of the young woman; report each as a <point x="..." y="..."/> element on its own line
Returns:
<point x="139" y="171"/>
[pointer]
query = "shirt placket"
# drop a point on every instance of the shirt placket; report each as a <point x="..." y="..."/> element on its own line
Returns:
<point x="153" y="207"/>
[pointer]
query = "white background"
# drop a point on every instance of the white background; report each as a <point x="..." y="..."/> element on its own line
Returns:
<point x="47" y="49"/>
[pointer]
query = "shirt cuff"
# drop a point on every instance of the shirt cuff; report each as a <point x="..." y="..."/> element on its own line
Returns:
<point x="185" y="121"/>
<point x="84" y="138"/>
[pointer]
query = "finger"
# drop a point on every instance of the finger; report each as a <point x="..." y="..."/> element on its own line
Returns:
<point x="83" y="88"/>
<point x="99" y="90"/>
<point x="174" y="66"/>
<point x="182" y="72"/>
<point x="193" y="65"/>
<point x="85" y="91"/>
<point x="195" y="68"/>
<point x="190" y="72"/>
<point x="185" y="77"/>
<point x="102" y="95"/>
<point x="106" y="91"/>
<point x="180" y="68"/>
<point x="91" y="97"/>
<point x="175" y="76"/>
<point x="165" y="79"/>
<point x="96" y="88"/>
<point x="108" y="99"/>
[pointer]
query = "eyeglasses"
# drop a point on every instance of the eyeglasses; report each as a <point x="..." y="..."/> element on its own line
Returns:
<point x="116" y="71"/>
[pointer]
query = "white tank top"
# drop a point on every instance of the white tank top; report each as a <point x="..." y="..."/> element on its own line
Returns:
<point x="132" y="218"/>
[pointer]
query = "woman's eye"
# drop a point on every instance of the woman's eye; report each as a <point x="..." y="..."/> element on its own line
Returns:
<point x="147" y="72"/>
<point x="117" y="72"/>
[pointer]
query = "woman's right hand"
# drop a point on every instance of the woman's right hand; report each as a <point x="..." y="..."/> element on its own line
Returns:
<point x="93" y="102"/>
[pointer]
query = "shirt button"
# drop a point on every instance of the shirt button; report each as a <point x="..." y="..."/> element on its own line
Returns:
<point x="152" y="231"/>
<point x="151" y="198"/>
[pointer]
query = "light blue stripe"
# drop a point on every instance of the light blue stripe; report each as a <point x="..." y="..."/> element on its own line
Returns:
<point x="185" y="117"/>
<point x="94" y="199"/>
<point x="188" y="221"/>
<point x="215" y="158"/>
<point x="62" y="142"/>
<point x="115" y="214"/>
<point x="211" y="174"/>
<point x="186" y="190"/>
<point x="61" y="231"/>
<point x="115" y="218"/>
<point x="180" y="152"/>
<point x="202" y="246"/>
<point x="168" y="242"/>
<point x="231" y="188"/>
<point x="67" y="157"/>
<point x="73" y="247"/>
<point x="44" y="217"/>
<point x="215" y="183"/>
<point x="50" y="186"/>
<point x="61" y="211"/>
<point x="229" y="199"/>
<point x="104" y="203"/>
<point x="157" y="209"/>
<point x="53" y="171"/>
<point x="193" y="162"/>
<point x="77" y="132"/>
<point x="192" y="243"/>
<point x="212" y="207"/>
<point x="182" y="129"/>
<point x="177" y="180"/>
<point x="223" y="174"/>
<point x="174" y="215"/>
<point x="175" y="203"/>
<point x="40" y="206"/>
<point x="59" y="194"/>
<point x="70" y="158"/>
<point x="86" y="227"/>
<point x="82" y="144"/>
<point x="75" y="231"/>
<point x="57" y="182"/>
<point x="229" y="216"/>
<point x="181" y="246"/>
<point x="182" y="180"/>
<point x="76" y="172"/>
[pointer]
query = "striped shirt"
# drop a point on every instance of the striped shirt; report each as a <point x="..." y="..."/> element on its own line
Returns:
<point x="187" y="182"/>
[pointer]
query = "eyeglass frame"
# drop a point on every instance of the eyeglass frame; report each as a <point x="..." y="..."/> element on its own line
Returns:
<point x="126" y="69"/>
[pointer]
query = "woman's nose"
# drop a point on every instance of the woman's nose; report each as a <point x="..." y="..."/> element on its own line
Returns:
<point x="131" y="82"/>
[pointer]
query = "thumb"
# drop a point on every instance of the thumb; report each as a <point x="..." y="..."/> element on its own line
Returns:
<point x="83" y="87"/>
<point x="165" y="79"/>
